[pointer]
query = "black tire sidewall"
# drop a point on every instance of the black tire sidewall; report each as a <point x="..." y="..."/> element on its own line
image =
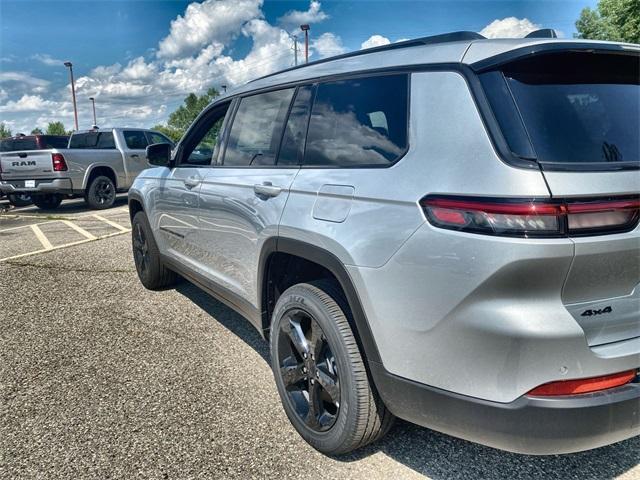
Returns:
<point x="151" y="276"/>
<point x="16" y="201"/>
<point x="90" y="196"/>
<point x="47" y="202"/>
<point x="302" y="297"/>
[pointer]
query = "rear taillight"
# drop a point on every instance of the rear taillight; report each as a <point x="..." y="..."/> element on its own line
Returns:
<point x="583" y="385"/>
<point x="532" y="217"/>
<point x="59" y="164"/>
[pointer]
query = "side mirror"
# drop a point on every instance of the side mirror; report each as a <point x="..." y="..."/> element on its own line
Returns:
<point x="159" y="154"/>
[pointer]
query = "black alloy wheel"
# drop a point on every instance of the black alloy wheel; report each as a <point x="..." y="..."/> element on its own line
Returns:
<point x="140" y="249"/>
<point x="105" y="193"/>
<point x="309" y="371"/>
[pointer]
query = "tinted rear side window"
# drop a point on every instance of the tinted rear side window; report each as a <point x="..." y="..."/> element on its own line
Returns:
<point x="17" y="144"/>
<point x="359" y="122"/>
<point x="135" y="139"/>
<point x="257" y="128"/>
<point x="579" y="107"/>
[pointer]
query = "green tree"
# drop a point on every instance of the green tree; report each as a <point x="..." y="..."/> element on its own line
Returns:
<point x="180" y="120"/>
<point x="615" y="20"/>
<point x="36" y="131"/>
<point x="5" y="131"/>
<point x="56" y="128"/>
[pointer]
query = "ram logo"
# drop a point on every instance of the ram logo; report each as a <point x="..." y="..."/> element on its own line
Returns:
<point x="24" y="163"/>
<point x="591" y="312"/>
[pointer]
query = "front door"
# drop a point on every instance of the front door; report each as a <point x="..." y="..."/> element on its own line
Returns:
<point x="242" y="199"/>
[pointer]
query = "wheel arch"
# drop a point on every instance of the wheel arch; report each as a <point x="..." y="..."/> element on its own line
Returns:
<point x="135" y="204"/>
<point x="95" y="170"/>
<point x="321" y="259"/>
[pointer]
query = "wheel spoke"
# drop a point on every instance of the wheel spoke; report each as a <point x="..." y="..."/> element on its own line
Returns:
<point x="292" y="372"/>
<point x="329" y="383"/>
<point x="295" y="334"/>
<point x="317" y="339"/>
<point x="311" y="419"/>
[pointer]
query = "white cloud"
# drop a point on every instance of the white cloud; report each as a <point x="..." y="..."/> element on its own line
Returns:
<point x="375" y="41"/>
<point x="24" y="78"/>
<point x="47" y="60"/>
<point x="328" y="45"/>
<point x="213" y="21"/>
<point x="294" y="18"/>
<point x="510" y="27"/>
<point x="27" y="103"/>
<point x="105" y="71"/>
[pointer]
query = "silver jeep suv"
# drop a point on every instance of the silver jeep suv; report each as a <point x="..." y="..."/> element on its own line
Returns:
<point x="443" y="230"/>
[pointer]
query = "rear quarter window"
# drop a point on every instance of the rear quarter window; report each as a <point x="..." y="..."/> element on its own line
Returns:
<point x="359" y="122"/>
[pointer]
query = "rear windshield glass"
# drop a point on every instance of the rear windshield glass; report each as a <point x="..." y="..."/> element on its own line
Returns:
<point x="579" y="107"/>
<point x="54" y="142"/>
<point x="92" y="140"/>
<point x="16" y="144"/>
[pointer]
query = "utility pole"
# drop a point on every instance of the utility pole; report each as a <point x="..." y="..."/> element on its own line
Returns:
<point x="305" y="29"/>
<point x="69" y="65"/>
<point x="224" y="88"/>
<point x="93" y="102"/>
<point x="295" y="49"/>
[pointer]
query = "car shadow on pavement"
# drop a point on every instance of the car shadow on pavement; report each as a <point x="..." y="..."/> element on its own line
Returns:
<point x="440" y="456"/>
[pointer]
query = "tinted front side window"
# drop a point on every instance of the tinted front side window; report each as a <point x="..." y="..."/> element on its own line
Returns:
<point x="358" y="122"/>
<point x="579" y="107"/>
<point x="257" y="128"/>
<point x="135" y="139"/>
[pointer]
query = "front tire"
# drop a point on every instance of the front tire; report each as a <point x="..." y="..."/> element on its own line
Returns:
<point x="47" y="202"/>
<point x="146" y="256"/>
<point x="19" y="199"/>
<point x="319" y="371"/>
<point x="101" y="193"/>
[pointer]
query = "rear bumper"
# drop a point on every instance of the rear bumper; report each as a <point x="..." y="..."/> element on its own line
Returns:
<point x="528" y="425"/>
<point x="49" y="185"/>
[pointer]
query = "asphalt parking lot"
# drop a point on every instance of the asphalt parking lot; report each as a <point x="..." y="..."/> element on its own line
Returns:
<point x="100" y="378"/>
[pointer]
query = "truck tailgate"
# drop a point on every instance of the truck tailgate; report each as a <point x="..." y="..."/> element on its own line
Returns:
<point x="26" y="165"/>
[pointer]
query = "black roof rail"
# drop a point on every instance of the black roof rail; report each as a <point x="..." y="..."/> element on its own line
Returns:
<point x="442" y="38"/>
<point x="542" y="33"/>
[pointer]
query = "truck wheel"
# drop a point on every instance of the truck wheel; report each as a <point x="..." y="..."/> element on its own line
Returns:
<point x="101" y="193"/>
<point x="151" y="270"/>
<point x="50" y="201"/>
<point x="319" y="371"/>
<point x="19" y="199"/>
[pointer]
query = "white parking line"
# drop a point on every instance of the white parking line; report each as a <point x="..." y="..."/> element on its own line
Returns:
<point x="113" y="224"/>
<point x="80" y="230"/>
<point x="40" y="236"/>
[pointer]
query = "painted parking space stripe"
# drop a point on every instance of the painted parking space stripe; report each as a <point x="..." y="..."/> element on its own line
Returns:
<point x="113" y="224"/>
<point x="46" y="244"/>
<point x="80" y="230"/>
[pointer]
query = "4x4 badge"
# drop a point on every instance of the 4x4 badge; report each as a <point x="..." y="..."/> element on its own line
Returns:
<point x="589" y="313"/>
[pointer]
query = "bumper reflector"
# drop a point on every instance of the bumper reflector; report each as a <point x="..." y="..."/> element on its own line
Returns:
<point x="583" y="385"/>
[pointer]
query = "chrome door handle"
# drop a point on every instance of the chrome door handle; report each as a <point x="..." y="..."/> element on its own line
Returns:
<point x="191" y="182"/>
<point x="267" y="189"/>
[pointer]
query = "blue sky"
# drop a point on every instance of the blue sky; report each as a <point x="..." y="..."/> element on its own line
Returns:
<point x="140" y="58"/>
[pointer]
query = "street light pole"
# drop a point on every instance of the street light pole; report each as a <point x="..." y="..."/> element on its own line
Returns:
<point x="73" y="93"/>
<point x="305" y="29"/>
<point x="93" y="102"/>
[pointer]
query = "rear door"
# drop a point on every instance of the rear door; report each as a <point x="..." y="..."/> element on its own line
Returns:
<point x="582" y="114"/>
<point x="242" y="198"/>
<point x="135" y="143"/>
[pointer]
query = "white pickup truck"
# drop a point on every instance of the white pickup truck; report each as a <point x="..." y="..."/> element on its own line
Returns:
<point x="96" y="165"/>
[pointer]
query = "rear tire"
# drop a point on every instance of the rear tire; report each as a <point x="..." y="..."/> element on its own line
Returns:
<point x="19" y="199"/>
<point x="49" y="201"/>
<point x="146" y="256"/>
<point x="101" y="193"/>
<point x="326" y="395"/>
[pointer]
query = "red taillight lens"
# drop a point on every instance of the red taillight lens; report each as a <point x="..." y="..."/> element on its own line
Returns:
<point x="59" y="164"/>
<point x="531" y="217"/>
<point x="583" y="385"/>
